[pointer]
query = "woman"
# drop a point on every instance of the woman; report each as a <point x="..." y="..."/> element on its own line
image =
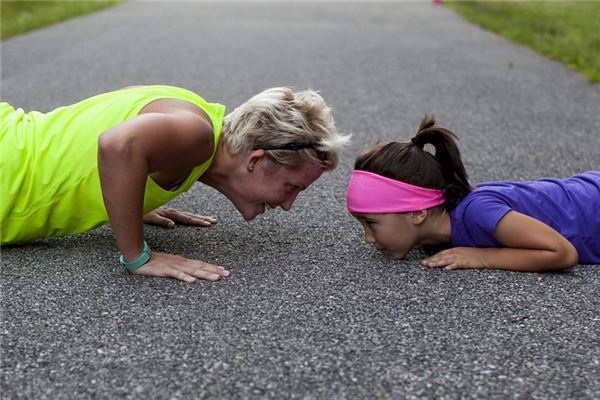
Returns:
<point x="118" y="156"/>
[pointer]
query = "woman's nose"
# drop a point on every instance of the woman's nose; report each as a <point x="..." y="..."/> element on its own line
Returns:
<point x="287" y="204"/>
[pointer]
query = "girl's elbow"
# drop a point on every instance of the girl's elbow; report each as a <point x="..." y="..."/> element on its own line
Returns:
<point x="572" y="256"/>
<point x="567" y="257"/>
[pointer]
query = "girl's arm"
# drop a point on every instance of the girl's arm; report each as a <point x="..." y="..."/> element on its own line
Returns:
<point x="127" y="154"/>
<point x="530" y="245"/>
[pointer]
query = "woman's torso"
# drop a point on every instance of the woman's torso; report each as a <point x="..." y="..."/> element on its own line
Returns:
<point x="50" y="183"/>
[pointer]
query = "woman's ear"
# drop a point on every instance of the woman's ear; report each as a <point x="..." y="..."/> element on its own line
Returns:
<point x="418" y="217"/>
<point x="253" y="157"/>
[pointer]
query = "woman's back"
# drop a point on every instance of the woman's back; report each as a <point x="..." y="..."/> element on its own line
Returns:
<point x="50" y="180"/>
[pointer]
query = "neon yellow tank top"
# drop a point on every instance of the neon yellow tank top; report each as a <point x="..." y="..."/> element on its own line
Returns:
<point x="49" y="182"/>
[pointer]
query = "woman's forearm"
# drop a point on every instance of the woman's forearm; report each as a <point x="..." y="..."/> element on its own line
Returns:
<point x="123" y="173"/>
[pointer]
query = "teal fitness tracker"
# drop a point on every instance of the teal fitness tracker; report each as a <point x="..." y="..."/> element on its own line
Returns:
<point x="138" y="262"/>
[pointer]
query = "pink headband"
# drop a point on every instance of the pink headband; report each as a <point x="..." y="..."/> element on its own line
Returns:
<point x="370" y="193"/>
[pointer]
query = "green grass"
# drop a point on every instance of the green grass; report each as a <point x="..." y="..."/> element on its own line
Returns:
<point x="22" y="16"/>
<point x="567" y="31"/>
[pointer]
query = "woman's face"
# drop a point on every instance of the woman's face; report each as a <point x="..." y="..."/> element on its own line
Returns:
<point x="269" y="185"/>
<point x="392" y="234"/>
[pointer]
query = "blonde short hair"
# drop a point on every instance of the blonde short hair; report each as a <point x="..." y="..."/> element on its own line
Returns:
<point x="280" y="116"/>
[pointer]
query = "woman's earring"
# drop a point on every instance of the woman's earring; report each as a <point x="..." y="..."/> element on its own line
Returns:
<point x="251" y="168"/>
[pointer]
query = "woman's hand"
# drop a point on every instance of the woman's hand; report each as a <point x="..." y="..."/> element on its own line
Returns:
<point x="171" y="266"/>
<point x="168" y="218"/>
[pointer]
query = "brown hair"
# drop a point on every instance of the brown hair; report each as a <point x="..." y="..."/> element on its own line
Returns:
<point x="409" y="162"/>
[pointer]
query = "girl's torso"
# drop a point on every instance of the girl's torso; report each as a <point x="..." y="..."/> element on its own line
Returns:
<point x="570" y="206"/>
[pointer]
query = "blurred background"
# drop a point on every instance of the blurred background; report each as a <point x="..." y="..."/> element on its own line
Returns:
<point x="563" y="30"/>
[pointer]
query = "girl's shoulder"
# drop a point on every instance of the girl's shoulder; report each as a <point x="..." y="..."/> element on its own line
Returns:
<point x="539" y="199"/>
<point x="475" y="218"/>
<point x="485" y="205"/>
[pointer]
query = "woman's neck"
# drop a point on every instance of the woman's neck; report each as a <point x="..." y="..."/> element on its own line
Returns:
<point x="221" y="172"/>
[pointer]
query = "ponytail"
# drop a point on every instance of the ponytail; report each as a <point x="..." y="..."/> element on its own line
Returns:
<point x="409" y="162"/>
<point x="448" y="156"/>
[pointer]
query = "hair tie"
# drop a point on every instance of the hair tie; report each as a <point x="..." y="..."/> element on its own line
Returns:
<point x="417" y="142"/>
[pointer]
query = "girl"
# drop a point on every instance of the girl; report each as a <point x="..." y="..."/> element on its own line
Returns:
<point x="403" y="196"/>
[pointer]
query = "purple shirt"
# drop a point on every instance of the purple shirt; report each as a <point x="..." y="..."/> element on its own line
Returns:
<point x="570" y="206"/>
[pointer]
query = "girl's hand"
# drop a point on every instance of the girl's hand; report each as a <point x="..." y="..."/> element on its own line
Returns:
<point x="456" y="258"/>
<point x="529" y="245"/>
<point x="172" y="266"/>
<point x="168" y="218"/>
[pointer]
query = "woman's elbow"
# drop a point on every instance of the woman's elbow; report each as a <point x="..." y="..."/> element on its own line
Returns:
<point x="111" y="146"/>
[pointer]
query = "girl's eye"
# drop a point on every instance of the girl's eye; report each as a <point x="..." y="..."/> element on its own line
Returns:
<point x="371" y="223"/>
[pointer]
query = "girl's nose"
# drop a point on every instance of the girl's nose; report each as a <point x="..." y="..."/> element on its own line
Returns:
<point x="369" y="237"/>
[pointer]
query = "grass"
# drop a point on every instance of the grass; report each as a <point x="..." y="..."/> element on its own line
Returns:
<point x="567" y="31"/>
<point x="23" y="16"/>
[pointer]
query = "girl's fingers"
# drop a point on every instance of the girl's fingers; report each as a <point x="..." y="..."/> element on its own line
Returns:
<point x="433" y="263"/>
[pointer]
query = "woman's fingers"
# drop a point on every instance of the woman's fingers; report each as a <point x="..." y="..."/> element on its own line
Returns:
<point x="159" y="220"/>
<point x="192" y="219"/>
<point x="202" y="270"/>
<point x="155" y="218"/>
<point x="171" y="266"/>
<point x="168" y="217"/>
<point x="182" y="276"/>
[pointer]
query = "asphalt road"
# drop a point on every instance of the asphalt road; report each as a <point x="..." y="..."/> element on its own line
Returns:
<point x="310" y="311"/>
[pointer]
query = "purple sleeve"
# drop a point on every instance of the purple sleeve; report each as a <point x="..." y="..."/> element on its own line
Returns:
<point x="481" y="216"/>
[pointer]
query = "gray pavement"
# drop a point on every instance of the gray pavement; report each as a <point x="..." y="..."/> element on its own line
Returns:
<point x="310" y="311"/>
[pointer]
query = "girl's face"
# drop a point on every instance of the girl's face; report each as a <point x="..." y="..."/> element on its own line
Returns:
<point x="392" y="234"/>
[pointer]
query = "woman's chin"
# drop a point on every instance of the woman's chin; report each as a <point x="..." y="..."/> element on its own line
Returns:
<point x="252" y="213"/>
<point x="248" y="217"/>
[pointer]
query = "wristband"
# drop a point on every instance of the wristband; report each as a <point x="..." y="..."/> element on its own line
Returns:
<point x="138" y="262"/>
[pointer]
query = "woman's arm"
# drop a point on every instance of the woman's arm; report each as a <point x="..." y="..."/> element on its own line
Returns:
<point x="530" y="245"/>
<point x="127" y="154"/>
